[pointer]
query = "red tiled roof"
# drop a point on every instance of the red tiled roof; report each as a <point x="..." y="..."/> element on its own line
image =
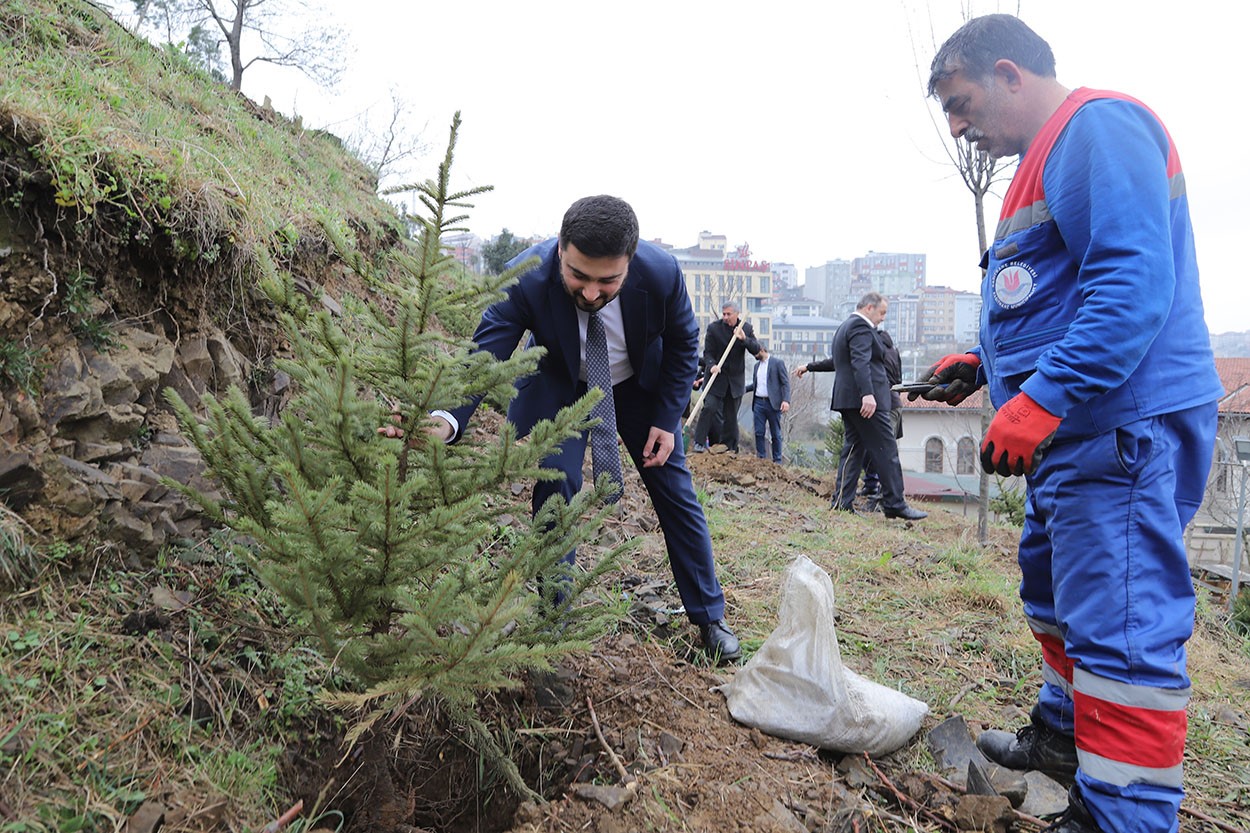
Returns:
<point x="1234" y="375"/>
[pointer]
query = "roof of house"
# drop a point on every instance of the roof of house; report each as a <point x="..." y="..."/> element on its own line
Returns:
<point x="1235" y="375"/>
<point x="945" y="487"/>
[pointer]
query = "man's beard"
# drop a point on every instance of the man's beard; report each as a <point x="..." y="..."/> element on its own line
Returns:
<point x="589" y="306"/>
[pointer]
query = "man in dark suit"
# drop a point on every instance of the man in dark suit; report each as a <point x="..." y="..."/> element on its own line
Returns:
<point x="771" y="385"/>
<point x="893" y="361"/>
<point x="720" y="407"/>
<point x="597" y="265"/>
<point x="861" y="394"/>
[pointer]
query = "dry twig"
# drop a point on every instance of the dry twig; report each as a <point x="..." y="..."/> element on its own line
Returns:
<point x="906" y="801"/>
<point x="627" y="778"/>
<point x="284" y="819"/>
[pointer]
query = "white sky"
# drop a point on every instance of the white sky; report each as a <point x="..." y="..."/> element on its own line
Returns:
<point x="797" y="126"/>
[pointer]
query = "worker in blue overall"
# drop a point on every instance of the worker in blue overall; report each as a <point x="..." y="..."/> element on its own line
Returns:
<point x="1097" y="357"/>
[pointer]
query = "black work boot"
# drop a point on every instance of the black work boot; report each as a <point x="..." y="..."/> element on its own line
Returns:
<point x="1075" y="819"/>
<point x="720" y="642"/>
<point x="1034" y="747"/>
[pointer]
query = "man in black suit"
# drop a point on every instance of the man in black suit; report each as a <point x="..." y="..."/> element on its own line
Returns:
<point x="893" y="374"/>
<point x="861" y="394"/>
<point x="728" y="381"/>
<point x="597" y="266"/>
<point x="771" y="385"/>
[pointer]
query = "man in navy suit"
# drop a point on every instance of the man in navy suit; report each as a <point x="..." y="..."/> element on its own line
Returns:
<point x="771" y="385"/>
<point x="598" y="265"/>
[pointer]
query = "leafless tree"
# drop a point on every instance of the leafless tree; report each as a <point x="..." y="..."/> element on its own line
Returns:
<point x="384" y="142"/>
<point x="252" y="31"/>
<point x="979" y="172"/>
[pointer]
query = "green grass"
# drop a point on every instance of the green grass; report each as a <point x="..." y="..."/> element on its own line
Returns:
<point x="101" y="716"/>
<point x="134" y="144"/>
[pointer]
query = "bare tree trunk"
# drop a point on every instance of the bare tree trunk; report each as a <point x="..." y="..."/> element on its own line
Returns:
<point x="987" y="410"/>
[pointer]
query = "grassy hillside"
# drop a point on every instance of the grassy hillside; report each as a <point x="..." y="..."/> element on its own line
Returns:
<point x="140" y="161"/>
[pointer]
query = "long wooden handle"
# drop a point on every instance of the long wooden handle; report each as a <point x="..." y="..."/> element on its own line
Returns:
<point x="707" y="384"/>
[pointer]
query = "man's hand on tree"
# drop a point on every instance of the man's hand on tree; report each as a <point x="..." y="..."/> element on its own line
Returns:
<point x="438" y="427"/>
<point x="1018" y="436"/>
<point x="954" y="378"/>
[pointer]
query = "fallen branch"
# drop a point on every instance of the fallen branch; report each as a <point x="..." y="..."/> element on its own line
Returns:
<point x="1201" y="816"/>
<point x="907" y="801"/>
<point x="627" y="778"/>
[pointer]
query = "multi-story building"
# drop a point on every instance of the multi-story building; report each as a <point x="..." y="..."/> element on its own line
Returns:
<point x="936" y="321"/>
<point x="466" y="249"/>
<point x="902" y="320"/>
<point x="785" y="276"/>
<point x="830" y="284"/>
<point x="967" y="317"/>
<point x="802" y="338"/>
<point x="716" y="276"/>
<point x="948" y="318"/>
<point x="891" y="273"/>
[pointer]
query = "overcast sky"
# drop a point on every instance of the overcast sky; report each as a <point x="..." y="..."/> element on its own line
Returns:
<point x="799" y="127"/>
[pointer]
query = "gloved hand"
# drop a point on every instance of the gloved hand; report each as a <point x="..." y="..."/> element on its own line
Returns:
<point x="1017" y="437"/>
<point x="954" y="378"/>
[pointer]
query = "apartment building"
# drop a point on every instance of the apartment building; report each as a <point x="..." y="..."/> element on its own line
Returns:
<point x="716" y="275"/>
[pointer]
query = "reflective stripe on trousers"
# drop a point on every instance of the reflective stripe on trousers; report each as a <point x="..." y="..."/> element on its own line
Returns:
<point x="1107" y="592"/>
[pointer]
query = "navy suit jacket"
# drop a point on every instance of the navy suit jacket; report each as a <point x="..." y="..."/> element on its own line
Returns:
<point x="661" y="338"/>
<point x="778" y="382"/>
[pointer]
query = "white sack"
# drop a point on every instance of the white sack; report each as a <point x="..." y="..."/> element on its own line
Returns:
<point x="795" y="686"/>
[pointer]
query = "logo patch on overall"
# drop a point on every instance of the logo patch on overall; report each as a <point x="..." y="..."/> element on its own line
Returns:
<point x="1013" y="284"/>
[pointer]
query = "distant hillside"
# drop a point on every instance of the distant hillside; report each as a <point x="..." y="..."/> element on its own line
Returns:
<point x="1231" y="345"/>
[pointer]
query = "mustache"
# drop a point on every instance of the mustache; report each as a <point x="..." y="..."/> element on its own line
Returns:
<point x="972" y="135"/>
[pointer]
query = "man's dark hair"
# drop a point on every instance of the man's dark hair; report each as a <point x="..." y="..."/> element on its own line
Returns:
<point x="979" y="43"/>
<point x="601" y="226"/>
<point x="870" y="299"/>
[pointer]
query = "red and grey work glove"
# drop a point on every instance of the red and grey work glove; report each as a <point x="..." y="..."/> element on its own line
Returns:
<point x="954" y="378"/>
<point x="1018" y="435"/>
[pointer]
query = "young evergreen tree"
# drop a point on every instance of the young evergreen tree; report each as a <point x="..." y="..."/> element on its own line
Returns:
<point x="396" y="551"/>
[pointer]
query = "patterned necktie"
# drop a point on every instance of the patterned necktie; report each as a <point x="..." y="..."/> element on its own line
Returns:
<point x="604" y="456"/>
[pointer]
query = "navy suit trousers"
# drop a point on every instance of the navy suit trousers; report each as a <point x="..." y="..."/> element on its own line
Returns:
<point x="672" y="494"/>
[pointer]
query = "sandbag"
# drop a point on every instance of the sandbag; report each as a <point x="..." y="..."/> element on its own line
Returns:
<point x="796" y="687"/>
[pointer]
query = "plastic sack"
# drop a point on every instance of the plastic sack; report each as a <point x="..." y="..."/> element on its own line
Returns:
<point x="796" y="687"/>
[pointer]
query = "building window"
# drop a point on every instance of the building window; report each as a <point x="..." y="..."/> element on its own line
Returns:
<point x="966" y="460"/>
<point x="933" y="453"/>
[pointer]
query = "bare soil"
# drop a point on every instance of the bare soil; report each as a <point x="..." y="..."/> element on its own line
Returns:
<point x="674" y="757"/>
<point x="671" y="757"/>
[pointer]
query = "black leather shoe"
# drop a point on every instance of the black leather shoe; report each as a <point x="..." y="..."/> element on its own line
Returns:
<point x="1036" y="746"/>
<point x="1075" y="819"/>
<point x="906" y="513"/>
<point x="720" y="643"/>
